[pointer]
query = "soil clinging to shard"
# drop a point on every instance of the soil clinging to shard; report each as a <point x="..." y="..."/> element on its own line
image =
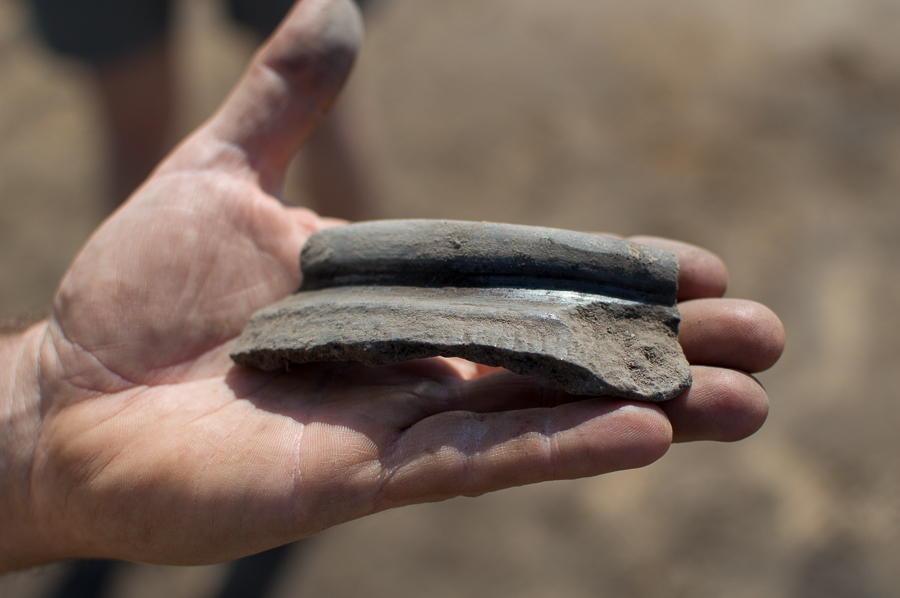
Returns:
<point x="596" y="315"/>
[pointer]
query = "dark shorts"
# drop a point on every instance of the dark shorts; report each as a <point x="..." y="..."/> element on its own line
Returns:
<point x="103" y="30"/>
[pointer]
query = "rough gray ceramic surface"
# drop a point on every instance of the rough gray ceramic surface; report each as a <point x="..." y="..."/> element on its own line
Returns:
<point x="594" y="314"/>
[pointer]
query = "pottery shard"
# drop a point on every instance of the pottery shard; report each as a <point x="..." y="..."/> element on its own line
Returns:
<point x="596" y="315"/>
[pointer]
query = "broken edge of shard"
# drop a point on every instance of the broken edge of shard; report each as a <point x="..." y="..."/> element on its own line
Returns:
<point x="609" y="330"/>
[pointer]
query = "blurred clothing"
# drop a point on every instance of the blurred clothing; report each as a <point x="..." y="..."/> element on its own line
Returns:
<point x="101" y="31"/>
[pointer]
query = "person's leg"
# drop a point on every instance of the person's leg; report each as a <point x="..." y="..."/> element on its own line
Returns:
<point x="334" y="163"/>
<point x="124" y="43"/>
<point x="138" y="99"/>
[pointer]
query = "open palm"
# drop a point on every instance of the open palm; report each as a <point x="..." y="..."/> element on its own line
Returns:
<point x="153" y="446"/>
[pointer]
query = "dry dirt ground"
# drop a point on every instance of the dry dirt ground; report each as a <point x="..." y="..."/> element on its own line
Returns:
<point x="766" y="131"/>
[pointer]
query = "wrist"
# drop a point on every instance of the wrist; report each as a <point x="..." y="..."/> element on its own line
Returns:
<point x="20" y="420"/>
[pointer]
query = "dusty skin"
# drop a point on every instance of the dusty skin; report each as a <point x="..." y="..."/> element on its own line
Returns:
<point x="128" y="433"/>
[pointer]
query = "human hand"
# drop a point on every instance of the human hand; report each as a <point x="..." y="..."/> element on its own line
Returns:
<point x="139" y="439"/>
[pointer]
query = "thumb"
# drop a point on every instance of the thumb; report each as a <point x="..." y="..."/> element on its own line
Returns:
<point x="291" y="83"/>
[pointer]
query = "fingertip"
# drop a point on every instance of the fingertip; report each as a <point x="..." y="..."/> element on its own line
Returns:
<point x="722" y="405"/>
<point x="777" y="337"/>
<point x="731" y="333"/>
<point x="652" y="431"/>
<point x="703" y="273"/>
<point x="623" y="435"/>
<point x="316" y="46"/>
<point x="772" y="337"/>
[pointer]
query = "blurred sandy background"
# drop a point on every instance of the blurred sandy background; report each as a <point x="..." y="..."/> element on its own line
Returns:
<point x="768" y="131"/>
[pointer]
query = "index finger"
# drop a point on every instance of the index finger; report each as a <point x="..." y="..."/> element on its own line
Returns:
<point x="702" y="273"/>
